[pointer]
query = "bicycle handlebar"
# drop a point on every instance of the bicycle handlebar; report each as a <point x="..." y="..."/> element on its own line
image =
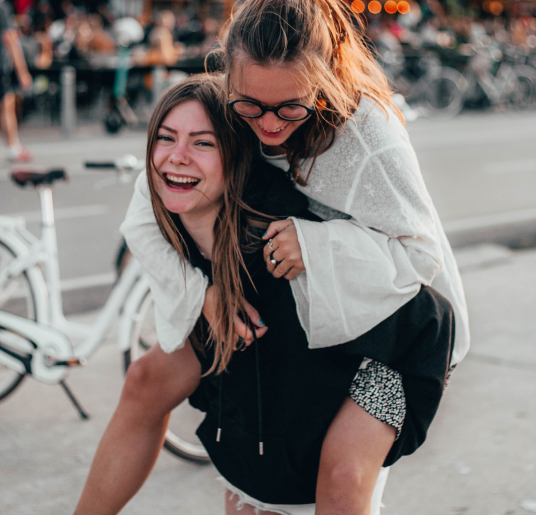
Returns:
<point x="96" y="164"/>
<point x="127" y="163"/>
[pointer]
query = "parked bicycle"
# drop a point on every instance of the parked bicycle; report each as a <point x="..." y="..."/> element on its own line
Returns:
<point x="489" y="76"/>
<point x="35" y="336"/>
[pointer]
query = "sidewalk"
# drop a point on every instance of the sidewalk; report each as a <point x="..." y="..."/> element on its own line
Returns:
<point x="479" y="459"/>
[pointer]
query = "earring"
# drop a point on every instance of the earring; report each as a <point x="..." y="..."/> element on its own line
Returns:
<point x="321" y="104"/>
<point x="230" y="97"/>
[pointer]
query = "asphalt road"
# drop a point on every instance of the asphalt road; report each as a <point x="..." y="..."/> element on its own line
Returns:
<point x="479" y="168"/>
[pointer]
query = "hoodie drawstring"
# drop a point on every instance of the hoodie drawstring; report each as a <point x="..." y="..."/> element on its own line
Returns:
<point x="259" y="390"/>
<point x="220" y="403"/>
<point x="259" y="394"/>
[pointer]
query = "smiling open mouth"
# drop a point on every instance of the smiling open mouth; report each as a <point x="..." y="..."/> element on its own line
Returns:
<point x="181" y="182"/>
<point x="273" y="134"/>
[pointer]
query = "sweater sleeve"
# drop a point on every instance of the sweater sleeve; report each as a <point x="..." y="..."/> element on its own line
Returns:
<point x="361" y="270"/>
<point x="177" y="287"/>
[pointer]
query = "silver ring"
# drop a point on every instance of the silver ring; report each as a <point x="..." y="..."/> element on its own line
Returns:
<point x="270" y="243"/>
<point x="272" y="259"/>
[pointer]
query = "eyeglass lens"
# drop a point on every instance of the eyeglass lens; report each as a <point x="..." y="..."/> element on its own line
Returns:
<point x="290" y="111"/>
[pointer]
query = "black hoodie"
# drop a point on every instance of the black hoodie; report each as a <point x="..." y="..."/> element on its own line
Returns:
<point x="282" y="394"/>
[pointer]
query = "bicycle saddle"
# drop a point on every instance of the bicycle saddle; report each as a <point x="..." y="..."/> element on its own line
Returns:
<point x="24" y="176"/>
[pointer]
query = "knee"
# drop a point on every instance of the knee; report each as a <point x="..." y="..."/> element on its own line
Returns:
<point x="140" y="383"/>
<point x="346" y="489"/>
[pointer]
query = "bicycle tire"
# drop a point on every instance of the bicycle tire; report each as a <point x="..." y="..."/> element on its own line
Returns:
<point x="443" y="93"/>
<point x="143" y="337"/>
<point x="10" y="379"/>
<point x="523" y="91"/>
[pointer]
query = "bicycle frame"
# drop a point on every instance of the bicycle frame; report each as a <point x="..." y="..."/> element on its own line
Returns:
<point x="44" y="251"/>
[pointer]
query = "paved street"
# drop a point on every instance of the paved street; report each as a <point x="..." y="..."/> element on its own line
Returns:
<point x="479" y="459"/>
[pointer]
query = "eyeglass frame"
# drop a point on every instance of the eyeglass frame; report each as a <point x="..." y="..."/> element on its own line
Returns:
<point x="264" y="109"/>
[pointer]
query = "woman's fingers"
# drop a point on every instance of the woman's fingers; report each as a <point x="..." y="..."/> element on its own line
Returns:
<point x="253" y="315"/>
<point x="283" y="253"/>
<point x="275" y="227"/>
<point x="244" y="332"/>
<point x="282" y="266"/>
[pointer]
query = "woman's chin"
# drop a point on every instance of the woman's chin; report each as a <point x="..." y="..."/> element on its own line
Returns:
<point x="179" y="208"/>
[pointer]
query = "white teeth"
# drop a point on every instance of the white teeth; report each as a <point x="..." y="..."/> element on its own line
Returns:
<point x="182" y="180"/>
<point x="273" y="132"/>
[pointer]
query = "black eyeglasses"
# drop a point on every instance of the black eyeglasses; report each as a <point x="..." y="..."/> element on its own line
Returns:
<point x="290" y="112"/>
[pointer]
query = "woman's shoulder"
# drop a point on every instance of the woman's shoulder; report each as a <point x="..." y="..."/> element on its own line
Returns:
<point x="373" y="127"/>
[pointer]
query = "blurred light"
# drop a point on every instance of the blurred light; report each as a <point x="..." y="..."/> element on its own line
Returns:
<point x="496" y="7"/>
<point x="445" y="39"/>
<point x="390" y="7"/>
<point x="486" y="5"/>
<point x="374" y="7"/>
<point x="403" y="7"/>
<point x="358" y="6"/>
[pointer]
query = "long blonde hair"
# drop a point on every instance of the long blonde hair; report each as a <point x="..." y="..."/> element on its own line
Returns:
<point x="231" y="226"/>
<point x="325" y="40"/>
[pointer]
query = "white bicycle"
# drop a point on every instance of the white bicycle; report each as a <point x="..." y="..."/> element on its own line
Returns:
<point x="34" y="333"/>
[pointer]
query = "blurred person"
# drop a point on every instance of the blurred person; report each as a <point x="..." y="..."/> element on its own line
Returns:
<point x="101" y="40"/>
<point x="161" y="51"/>
<point x="36" y="44"/>
<point x="11" y="56"/>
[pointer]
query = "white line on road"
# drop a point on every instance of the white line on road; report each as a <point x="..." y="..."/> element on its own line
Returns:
<point x="88" y="281"/>
<point x="434" y="140"/>
<point x="518" y="166"/>
<point x="488" y="221"/>
<point x="67" y="213"/>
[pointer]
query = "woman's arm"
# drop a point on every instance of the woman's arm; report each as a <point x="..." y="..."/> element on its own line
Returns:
<point x="178" y="288"/>
<point x="360" y="271"/>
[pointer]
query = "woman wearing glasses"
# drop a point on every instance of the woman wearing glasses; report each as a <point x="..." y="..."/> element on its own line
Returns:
<point x="300" y="75"/>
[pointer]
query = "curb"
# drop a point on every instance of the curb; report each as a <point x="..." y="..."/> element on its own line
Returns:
<point x="514" y="229"/>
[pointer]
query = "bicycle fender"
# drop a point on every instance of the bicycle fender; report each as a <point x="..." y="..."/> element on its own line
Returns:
<point x="130" y="310"/>
<point x="19" y="247"/>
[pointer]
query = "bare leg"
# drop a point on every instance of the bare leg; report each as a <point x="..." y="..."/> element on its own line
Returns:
<point x="353" y="452"/>
<point x="9" y="120"/>
<point x="230" y="507"/>
<point x="155" y="384"/>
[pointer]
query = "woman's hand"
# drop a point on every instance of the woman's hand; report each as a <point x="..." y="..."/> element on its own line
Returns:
<point x="283" y="246"/>
<point x="241" y="329"/>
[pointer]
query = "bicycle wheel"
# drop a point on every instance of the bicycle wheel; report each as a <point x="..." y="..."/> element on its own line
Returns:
<point x="181" y="439"/>
<point x="17" y="297"/>
<point x="521" y="88"/>
<point x="442" y="94"/>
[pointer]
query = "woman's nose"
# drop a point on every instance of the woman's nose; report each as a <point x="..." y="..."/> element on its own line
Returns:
<point x="179" y="155"/>
<point x="270" y="122"/>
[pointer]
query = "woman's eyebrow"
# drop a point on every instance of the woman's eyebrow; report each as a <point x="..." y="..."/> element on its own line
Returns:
<point x="165" y="127"/>
<point x="193" y="134"/>
<point x="198" y="133"/>
<point x="255" y="100"/>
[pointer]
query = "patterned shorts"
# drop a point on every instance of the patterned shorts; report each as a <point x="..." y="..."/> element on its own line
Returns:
<point x="379" y="391"/>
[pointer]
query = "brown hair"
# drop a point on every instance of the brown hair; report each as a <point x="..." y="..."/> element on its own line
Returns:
<point x="230" y="224"/>
<point x="325" y="40"/>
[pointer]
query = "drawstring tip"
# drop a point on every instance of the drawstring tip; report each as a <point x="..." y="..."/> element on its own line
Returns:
<point x="261" y="448"/>
<point x="218" y="436"/>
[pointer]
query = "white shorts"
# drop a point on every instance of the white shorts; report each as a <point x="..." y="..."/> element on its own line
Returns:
<point x="300" y="509"/>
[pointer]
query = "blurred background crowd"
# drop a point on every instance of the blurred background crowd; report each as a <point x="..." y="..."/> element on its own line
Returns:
<point x="441" y="55"/>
